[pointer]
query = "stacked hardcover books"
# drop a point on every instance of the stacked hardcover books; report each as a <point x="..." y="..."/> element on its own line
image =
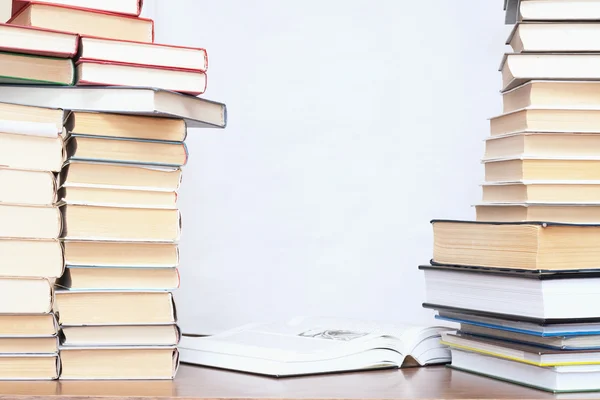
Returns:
<point x="31" y="256"/>
<point x="97" y="242"/>
<point x="94" y="42"/>
<point x="524" y="279"/>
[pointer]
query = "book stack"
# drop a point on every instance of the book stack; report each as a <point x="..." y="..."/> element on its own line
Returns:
<point x="94" y="42"/>
<point x="31" y="256"/>
<point x="119" y="150"/>
<point x="523" y="280"/>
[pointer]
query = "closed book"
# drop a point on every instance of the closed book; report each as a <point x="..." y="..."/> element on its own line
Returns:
<point x="31" y="258"/>
<point x="580" y="213"/>
<point x="120" y="176"/>
<point x="553" y="95"/>
<point x="117" y="198"/>
<point x="128" y="7"/>
<point x="84" y="22"/>
<point x="197" y="112"/>
<point x="122" y="278"/>
<point x="519" y="68"/>
<point x="117" y="363"/>
<point x="120" y="335"/>
<point x="546" y="120"/>
<point x="127" y="126"/>
<point x="541" y="192"/>
<point x="29" y="69"/>
<point x="143" y="54"/>
<point x="113" y="74"/>
<point x="36" y="188"/>
<point x="37" y="41"/>
<point x="530" y="246"/>
<point x="29" y="367"/>
<point x="29" y="222"/>
<point x="121" y="254"/>
<point x="542" y="144"/>
<point x="25" y="296"/>
<point x="552" y="10"/>
<point x="555" y="37"/>
<point x="31" y="152"/>
<point x="39" y="345"/>
<point x="120" y="224"/>
<point x="31" y="121"/>
<point x="28" y="325"/>
<point x="542" y="169"/>
<point x="90" y="148"/>
<point x="115" y="308"/>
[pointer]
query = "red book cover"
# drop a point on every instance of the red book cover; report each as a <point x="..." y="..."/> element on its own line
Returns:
<point x="202" y="68"/>
<point x="26" y="3"/>
<point x="40" y="52"/>
<point x="18" y="5"/>
<point x="82" y="82"/>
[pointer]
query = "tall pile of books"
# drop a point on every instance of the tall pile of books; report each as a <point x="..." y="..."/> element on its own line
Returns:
<point x="31" y="256"/>
<point x="91" y="252"/>
<point x="523" y="280"/>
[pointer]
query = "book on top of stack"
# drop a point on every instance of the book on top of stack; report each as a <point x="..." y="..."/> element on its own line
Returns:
<point x="523" y="280"/>
<point x="89" y="223"/>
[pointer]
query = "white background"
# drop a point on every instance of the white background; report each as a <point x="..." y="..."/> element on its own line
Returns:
<point x="352" y="123"/>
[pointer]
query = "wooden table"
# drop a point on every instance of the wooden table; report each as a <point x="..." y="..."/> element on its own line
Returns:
<point x="208" y="384"/>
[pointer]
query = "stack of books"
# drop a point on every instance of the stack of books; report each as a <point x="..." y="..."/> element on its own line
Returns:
<point x="96" y="244"/>
<point x="31" y="257"/>
<point x="94" y="42"/>
<point x="523" y="280"/>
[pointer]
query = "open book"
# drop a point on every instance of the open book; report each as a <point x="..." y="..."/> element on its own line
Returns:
<point x="306" y="346"/>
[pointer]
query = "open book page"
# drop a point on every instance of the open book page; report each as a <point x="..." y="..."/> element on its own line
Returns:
<point x="311" y="339"/>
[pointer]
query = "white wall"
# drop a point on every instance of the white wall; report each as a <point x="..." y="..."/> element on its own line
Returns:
<point x="352" y="123"/>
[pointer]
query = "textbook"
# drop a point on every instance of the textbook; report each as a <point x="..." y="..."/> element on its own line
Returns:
<point x="306" y="346"/>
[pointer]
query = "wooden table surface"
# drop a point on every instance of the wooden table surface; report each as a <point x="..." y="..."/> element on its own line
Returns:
<point x="208" y="384"/>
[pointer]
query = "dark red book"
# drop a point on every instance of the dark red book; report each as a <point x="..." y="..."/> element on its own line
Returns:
<point x="125" y="7"/>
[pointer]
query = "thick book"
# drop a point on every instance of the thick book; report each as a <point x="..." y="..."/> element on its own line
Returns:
<point x="120" y="335"/>
<point x="546" y="120"/>
<point x="127" y="7"/>
<point x="115" y="308"/>
<point x="551" y="10"/>
<point x="143" y="54"/>
<point x="542" y="144"/>
<point x="555" y="37"/>
<point x="28" y="325"/>
<point x="542" y="169"/>
<point x="519" y="293"/>
<point x="36" y="41"/>
<point x="541" y="192"/>
<point x="27" y="69"/>
<point x="197" y="112"/>
<point x="120" y="224"/>
<point x="88" y="196"/>
<point x="119" y="363"/>
<point x="36" y="188"/>
<point x="527" y="354"/>
<point x="26" y="296"/>
<point x="147" y="152"/>
<point x="306" y="346"/>
<point x="84" y="22"/>
<point x="562" y="379"/>
<point x="29" y="367"/>
<point x="31" y="152"/>
<point x="519" y="68"/>
<point x="29" y="222"/>
<point x="31" y="121"/>
<point x="120" y="176"/>
<point x="101" y="73"/>
<point x="126" y="126"/>
<point x="121" y="254"/>
<point x="573" y="213"/>
<point x="530" y="246"/>
<point x="38" y="345"/>
<point x="553" y="95"/>
<point x="123" y="278"/>
<point x="31" y="258"/>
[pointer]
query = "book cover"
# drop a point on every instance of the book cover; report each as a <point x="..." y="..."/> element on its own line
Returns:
<point x="18" y="5"/>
